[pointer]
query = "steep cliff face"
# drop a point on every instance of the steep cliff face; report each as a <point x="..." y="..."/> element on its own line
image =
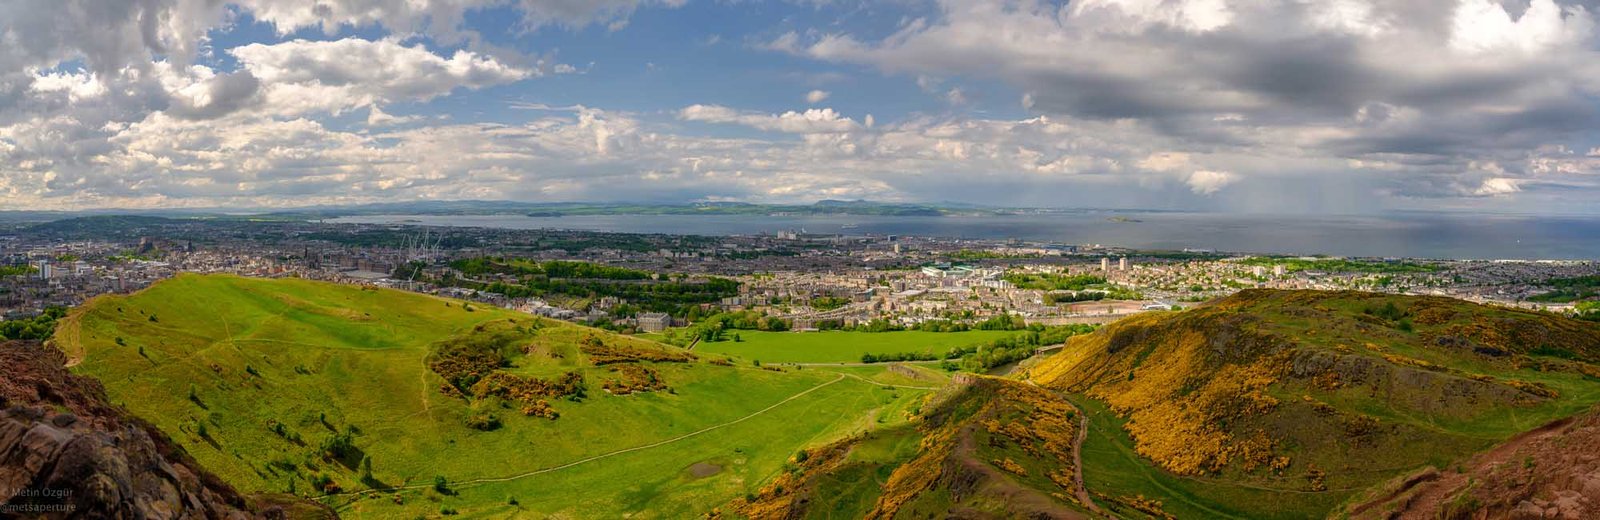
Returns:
<point x="65" y="452"/>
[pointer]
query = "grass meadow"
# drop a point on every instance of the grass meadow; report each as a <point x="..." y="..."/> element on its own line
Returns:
<point x="251" y="376"/>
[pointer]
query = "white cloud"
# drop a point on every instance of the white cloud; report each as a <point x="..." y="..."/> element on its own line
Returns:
<point x="1159" y="102"/>
<point x="811" y="121"/>
<point x="1206" y="182"/>
<point x="1480" y="26"/>
<point x="377" y="117"/>
<point x="1165" y="161"/>
<point x="1410" y="92"/>
<point x="1498" y="186"/>
<point x="77" y="86"/>
<point x="1191" y="15"/>
<point x="305" y="76"/>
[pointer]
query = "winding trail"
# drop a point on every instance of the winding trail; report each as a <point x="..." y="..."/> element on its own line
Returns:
<point x="1077" y="463"/>
<point x="887" y="385"/>
<point x="1079" y="488"/>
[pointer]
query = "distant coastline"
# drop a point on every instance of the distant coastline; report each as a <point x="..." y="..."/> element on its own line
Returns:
<point x="1433" y="236"/>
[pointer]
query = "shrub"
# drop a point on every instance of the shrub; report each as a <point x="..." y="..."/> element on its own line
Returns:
<point x="339" y="445"/>
<point x="441" y="485"/>
<point x="483" y="421"/>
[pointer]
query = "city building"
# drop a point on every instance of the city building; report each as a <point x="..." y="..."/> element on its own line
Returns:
<point x="654" y="321"/>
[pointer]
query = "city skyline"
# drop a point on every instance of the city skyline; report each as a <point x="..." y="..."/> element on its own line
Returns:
<point x="1203" y="105"/>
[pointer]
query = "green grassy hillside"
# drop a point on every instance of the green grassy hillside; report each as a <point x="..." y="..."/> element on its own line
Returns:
<point x="389" y="404"/>
<point x="1285" y="403"/>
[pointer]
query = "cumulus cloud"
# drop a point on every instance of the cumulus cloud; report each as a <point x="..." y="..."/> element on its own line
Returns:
<point x="303" y="76"/>
<point x="1194" y="103"/>
<point x="1498" y="186"/>
<point x="811" y="121"/>
<point x="107" y="100"/>
<point x="1206" y="182"/>
<point x="1412" y="91"/>
<point x="561" y="153"/>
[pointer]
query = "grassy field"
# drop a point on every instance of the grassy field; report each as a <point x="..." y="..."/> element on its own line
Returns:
<point x="220" y="362"/>
<point x="842" y="346"/>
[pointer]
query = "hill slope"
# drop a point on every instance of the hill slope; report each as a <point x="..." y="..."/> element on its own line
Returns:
<point x="1296" y="399"/>
<point x="59" y="435"/>
<point x="983" y="448"/>
<point x="1550" y="472"/>
<point x="366" y="398"/>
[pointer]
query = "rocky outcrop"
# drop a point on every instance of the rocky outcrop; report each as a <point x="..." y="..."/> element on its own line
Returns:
<point x="67" y="453"/>
<point x="1550" y="472"/>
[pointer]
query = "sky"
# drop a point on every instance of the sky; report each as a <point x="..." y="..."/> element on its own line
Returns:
<point x="1267" y="106"/>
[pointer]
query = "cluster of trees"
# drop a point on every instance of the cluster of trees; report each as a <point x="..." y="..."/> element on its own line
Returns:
<point x="909" y="356"/>
<point x="1340" y="265"/>
<point x="724" y="327"/>
<point x="1001" y="322"/>
<point x="1073" y="297"/>
<point x="646" y="292"/>
<point x="942" y="326"/>
<point x="977" y="254"/>
<point x="1570" y="289"/>
<point x="984" y="356"/>
<point x="1054" y="282"/>
<point x="38" y="327"/>
<point x="1589" y="311"/>
<point x="341" y="447"/>
<point x="16" y="270"/>
<point x="551" y="269"/>
<point x="828" y="303"/>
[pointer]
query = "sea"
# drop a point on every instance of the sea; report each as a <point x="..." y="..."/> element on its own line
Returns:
<point x="1407" y="235"/>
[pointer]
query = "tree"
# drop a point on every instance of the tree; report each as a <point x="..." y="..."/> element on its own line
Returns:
<point x="366" y="468"/>
<point x="441" y="485"/>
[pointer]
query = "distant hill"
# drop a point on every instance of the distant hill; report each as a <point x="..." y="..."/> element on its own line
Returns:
<point x="558" y="209"/>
